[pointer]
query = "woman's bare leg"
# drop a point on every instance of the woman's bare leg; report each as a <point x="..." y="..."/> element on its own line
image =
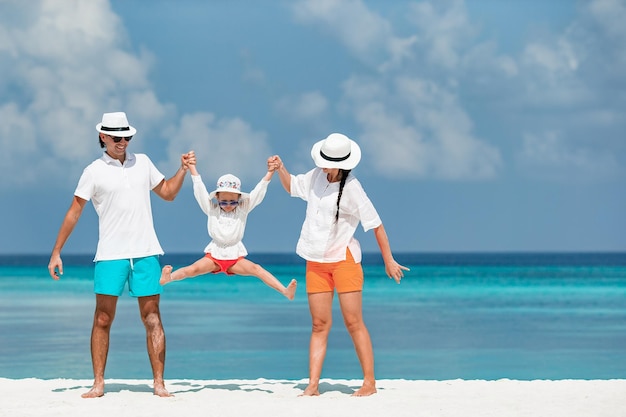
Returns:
<point x="351" y="307"/>
<point x="320" y="306"/>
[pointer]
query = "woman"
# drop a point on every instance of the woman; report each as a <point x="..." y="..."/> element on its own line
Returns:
<point x="336" y="203"/>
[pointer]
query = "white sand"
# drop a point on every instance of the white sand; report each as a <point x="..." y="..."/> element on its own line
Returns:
<point x="276" y="398"/>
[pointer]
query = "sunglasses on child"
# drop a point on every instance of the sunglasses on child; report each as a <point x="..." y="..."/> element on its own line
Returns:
<point x="118" y="139"/>
<point x="226" y="203"/>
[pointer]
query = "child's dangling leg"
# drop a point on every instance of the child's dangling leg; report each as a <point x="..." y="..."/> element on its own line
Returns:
<point x="247" y="268"/>
<point x="201" y="266"/>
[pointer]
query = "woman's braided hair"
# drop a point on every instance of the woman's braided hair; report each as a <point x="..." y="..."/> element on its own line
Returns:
<point x="344" y="175"/>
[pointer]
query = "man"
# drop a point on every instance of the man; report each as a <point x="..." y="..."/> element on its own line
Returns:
<point x="119" y="184"/>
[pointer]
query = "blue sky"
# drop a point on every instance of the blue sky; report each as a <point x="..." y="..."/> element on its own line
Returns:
<point x="485" y="125"/>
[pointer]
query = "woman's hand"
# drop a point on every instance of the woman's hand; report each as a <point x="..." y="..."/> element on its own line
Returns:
<point x="395" y="270"/>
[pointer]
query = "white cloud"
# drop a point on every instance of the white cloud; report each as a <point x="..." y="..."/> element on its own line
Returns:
<point x="60" y="68"/>
<point x="549" y="155"/>
<point x="573" y="86"/>
<point x="221" y="146"/>
<point x="449" y="47"/>
<point x="63" y="64"/>
<point x="482" y="64"/>
<point x="550" y="75"/>
<point x="417" y="128"/>
<point x="410" y="118"/>
<point x="64" y="68"/>
<point x="308" y="106"/>
<point x="17" y="133"/>
<point x="367" y="35"/>
<point x="568" y="81"/>
<point x="612" y="15"/>
<point x="574" y="68"/>
<point x="443" y="30"/>
<point x="558" y="58"/>
<point x="600" y="34"/>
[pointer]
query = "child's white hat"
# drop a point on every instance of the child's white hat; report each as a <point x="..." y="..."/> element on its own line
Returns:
<point x="228" y="184"/>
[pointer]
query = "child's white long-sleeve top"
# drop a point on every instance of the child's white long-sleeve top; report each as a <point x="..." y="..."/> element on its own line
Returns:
<point x="227" y="228"/>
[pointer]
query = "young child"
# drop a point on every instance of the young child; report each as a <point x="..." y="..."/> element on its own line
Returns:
<point x="227" y="209"/>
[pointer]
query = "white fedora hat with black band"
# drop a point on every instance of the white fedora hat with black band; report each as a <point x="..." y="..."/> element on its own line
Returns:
<point x="116" y="124"/>
<point x="336" y="151"/>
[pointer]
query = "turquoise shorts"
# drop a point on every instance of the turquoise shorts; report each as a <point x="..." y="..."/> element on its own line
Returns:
<point x="142" y="275"/>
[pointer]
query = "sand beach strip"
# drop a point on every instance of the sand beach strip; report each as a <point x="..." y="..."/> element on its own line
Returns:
<point x="278" y="398"/>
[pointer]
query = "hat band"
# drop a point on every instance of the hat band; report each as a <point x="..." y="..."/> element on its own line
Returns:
<point x="333" y="159"/>
<point x="114" y="129"/>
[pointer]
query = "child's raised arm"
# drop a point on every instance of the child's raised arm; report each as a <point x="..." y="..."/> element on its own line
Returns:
<point x="271" y="168"/>
<point x="191" y="164"/>
<point x="193" y="170"/>
<point x="277" y="164"/>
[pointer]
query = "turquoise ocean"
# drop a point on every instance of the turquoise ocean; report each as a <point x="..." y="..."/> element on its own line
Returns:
<point x="470" y="316"/>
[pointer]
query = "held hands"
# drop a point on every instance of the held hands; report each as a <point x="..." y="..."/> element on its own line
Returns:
<point x="274" y="163"/>
<point x="271" y="168"/>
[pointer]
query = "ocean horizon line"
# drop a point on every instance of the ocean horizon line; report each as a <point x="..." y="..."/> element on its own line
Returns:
<point x="417" y="258"/>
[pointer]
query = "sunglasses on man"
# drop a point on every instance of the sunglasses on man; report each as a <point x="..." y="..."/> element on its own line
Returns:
<point x="118" y="139"/>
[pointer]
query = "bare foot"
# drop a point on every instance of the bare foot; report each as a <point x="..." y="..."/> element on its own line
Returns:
<point x="95" y="392"/>
<point x="161" y="391"/>
<point x="166" y="275"/>
<point x="290" y="291"/>
<point x="312" y="390"/>
<point x="368" y="388"/>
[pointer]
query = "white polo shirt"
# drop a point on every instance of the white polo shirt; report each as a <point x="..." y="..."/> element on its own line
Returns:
<point x="322" y="239"/>
<point x="121" y="196"/>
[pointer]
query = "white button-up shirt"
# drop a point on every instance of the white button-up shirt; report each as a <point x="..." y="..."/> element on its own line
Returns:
<point x="322" y="238"/>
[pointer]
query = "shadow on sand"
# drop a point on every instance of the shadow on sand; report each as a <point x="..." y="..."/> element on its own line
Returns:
<point x="193" y="386"/>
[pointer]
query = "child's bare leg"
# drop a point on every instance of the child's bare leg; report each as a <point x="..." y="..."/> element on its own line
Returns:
<point x="291" y="289"/>
<point x="201" y="266"/>
<point x="166" y="275"/>
<point x="248" y="268"/>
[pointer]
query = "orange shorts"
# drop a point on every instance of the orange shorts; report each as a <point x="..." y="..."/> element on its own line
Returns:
<point x="224" y="264"/>
<point x="345" y="276"/>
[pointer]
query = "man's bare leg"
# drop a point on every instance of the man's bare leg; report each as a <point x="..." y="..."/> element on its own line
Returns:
<point x="102" y="321"/>
<point x="248" y="268"/>
<point x="320" y="306"/>
<point x="155" y="339"/>
<point x="201" y="266"/>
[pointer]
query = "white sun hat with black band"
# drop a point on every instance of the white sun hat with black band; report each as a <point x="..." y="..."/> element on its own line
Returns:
<point x="116" y="124"/>
<point x="336" y="151"/>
